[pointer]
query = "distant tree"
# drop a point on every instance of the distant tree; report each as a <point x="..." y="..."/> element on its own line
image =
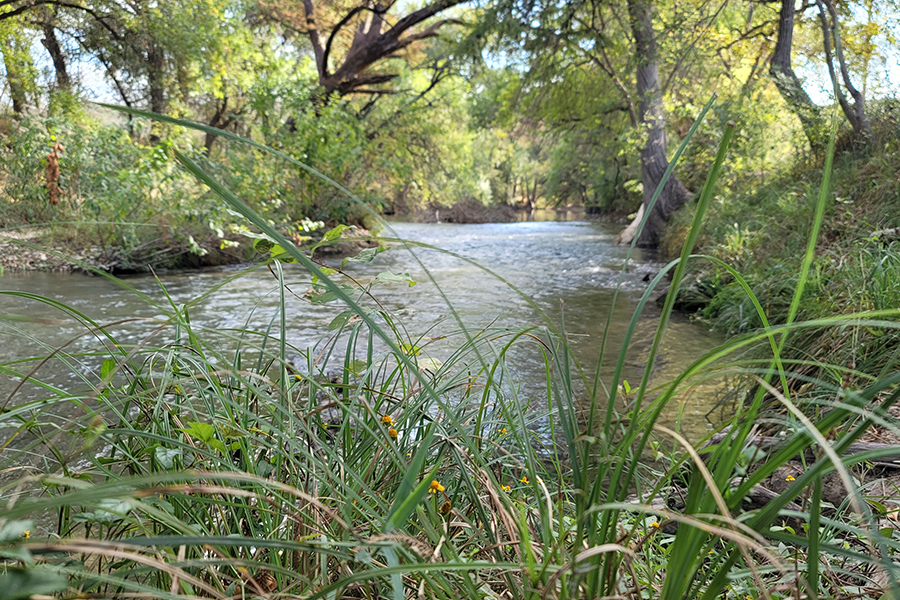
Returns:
<point x="352" y="41"/>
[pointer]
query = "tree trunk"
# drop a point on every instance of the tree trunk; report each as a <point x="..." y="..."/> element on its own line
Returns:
<point x="856" y="112"/>
<point x="156" y="77"/>
<point x="51" y="43"/>
<point x="373" y="41"/>
<point x="16" y="61"/>
<point x="653" y="155"/>
<point x="789" y="85"/>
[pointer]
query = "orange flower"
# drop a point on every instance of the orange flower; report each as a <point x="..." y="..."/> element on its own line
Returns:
<point x="392" y="432"/>
<point x="524" y="479"/>
<point x="387" y="420"/>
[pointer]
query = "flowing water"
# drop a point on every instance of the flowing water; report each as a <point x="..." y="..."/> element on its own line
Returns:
<point x="569" y="269"/>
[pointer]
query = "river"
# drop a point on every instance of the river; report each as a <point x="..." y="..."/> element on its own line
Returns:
<point x="569" y="269"/>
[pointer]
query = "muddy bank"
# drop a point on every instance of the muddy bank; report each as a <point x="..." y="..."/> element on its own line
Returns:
<point x="36" y="250"/>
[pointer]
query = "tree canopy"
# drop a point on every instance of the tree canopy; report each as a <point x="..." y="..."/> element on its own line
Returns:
<point x="496" y="102"/>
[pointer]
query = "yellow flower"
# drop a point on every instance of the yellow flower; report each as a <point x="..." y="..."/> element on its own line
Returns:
<point x="392" y="432"/>
<point x="505" y="488"/>
<point x="524" y="479"/>
<point x="387" y="420"/>
<point x="26" y="534"/>
<point x="503" y="431"/>
<point x="654" y="525"/>
<point x="789" y="478"/>
<point x="435" y="487"/>
<point x="446" y="507"/>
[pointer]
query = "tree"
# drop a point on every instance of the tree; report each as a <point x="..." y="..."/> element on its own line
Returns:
<point x="653" y="154"/>
<point x="373" y="41"/>
<point x="790" y="86"/>
<point x="20" y="71"/>
<point x="831" y="38"/>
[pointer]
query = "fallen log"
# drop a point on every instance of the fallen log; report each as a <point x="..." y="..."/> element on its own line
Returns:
<point x="767" y="443"/>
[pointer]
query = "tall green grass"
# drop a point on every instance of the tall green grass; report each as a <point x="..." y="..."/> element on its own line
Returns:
<point x="215" y="465"/>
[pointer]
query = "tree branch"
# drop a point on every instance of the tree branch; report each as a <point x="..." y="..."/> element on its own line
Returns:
<point x="315" y="39"/>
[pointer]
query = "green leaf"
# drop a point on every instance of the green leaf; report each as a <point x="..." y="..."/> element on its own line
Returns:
<point x="330" y="236"/>
<point x="410" y="349"/>
<point x="367" y="255"/>
<point x="111" y="510"/>
<point x="18" y="584"/>
<point x="319" y="296"/>
<point x="358" y="366"/>
<point x="200" y="431"/>
<point x="327" y="271"/>
<point x="107" y="367"/>
<point x="217" y="445"/>
<point x="335" y="232"/>
<point x="263" y="245"/>
<point x="388" y="277"/>
<point x="341" y="320"/>
<point x="166" y="456"/>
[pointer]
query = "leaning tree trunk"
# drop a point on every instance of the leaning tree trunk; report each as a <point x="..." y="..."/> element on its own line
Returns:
<point x="17" y="63"/>
<point x="855" y="112"/>
<point x="51" y="43"/>
<point x="653" y="155"/>
<point x="790" y="86"/>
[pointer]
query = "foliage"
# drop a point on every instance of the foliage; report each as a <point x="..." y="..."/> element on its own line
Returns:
<point x="212" y="463"/>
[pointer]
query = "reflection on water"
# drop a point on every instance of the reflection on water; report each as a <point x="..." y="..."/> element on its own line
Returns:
<point x="569" y="269"/>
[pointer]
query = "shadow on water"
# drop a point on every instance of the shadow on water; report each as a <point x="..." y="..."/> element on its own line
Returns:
<point x="570" y="269"/>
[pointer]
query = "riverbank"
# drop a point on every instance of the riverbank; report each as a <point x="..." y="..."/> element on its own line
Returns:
<point x="194" y="460"/>
<point x="46" y="250"/>
<point x="762" y="234"/>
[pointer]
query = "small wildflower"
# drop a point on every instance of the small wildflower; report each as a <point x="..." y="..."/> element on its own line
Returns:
<point x="789" y="478"/>
<point x="26" y="534"/>
<point x="392" y="432"/>
<point x="446" y="507"/>
<point x="710" y="552"/>
<point x="654" y="525"/>
<point x="387" y="420"/>
<point x="503" y="431"/>
<point x="505" y="488"/>
<point x="435" y="487"/>
<point x="524" y="479"/>
<point x="408" y="454"/>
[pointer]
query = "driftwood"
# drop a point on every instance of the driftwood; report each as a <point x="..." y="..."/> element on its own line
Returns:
<point x="885" y="234"/>
<point x="764" y="442"/>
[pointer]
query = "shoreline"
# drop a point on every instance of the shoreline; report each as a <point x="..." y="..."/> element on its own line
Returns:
<point x="25" y="250"/>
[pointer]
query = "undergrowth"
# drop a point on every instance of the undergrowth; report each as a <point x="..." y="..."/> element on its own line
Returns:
<point x="217" y="464"/>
